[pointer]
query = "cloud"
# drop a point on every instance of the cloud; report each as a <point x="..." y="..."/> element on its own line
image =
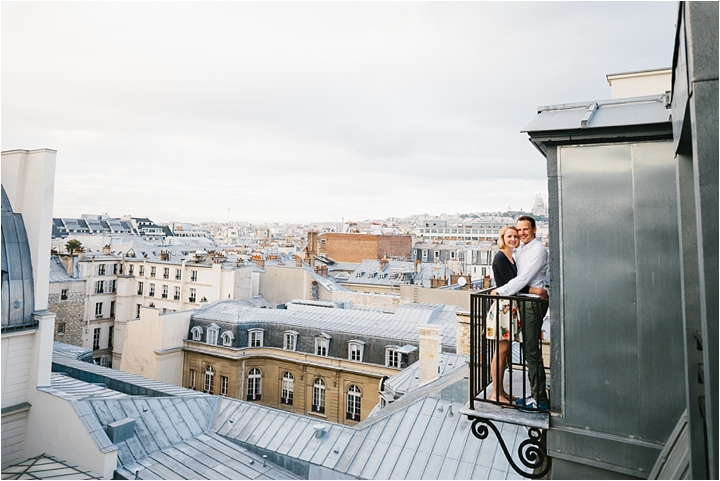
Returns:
<point x="310" y="110"/>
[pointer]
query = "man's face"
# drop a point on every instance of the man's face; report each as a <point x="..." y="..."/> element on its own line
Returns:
<point x="526" y="231"/>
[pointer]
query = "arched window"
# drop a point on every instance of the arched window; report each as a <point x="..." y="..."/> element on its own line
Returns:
<point x="288" y="384"/>
<point x="254" y="380"/>
<point x="209" y="375"/>
<point x="196" y="333"/>
<point x="227" y="338"/>
<point x="318" y="401"/>
<point x="354" y="397"/>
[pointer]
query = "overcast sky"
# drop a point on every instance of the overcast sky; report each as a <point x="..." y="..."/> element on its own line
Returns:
<point x="298" y="112"/>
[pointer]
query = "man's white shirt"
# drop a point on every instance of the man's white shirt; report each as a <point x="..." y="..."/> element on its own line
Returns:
<point x="531" y="260"/>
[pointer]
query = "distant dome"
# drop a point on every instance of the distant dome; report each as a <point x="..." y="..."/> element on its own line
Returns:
<point x="18" y="301"/>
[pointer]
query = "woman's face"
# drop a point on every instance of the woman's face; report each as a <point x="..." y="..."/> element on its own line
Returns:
<point x="511" y="238"/>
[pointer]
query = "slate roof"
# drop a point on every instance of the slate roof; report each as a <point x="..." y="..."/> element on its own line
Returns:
<point x="400" y="325"/>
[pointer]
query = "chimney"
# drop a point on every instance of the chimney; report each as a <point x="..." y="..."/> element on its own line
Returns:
<point x="417" y="265"/>
<point x="68" y="261"/>
<point x="164" y="255"/>
<point x="383" y="264"/>
<point x="106" y="249"/>
<point x="260" y="262"/>
<point x="429" y="354"/>
<point x="298" y="261"/>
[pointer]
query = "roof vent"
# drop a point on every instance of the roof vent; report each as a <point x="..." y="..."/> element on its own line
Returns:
<point x="121" y="430"/>
<point x="319" y="430"/>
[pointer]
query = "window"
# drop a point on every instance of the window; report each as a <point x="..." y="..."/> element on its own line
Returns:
<point x="212" y="336"/>
<point x="131" y="270"/>
<point x="112" y="285"/>
<point x="140" y="288"/>
<point x="141" y="271"/>
<point x="96" y="339"/>
<point x="353" y="403"/>
<point x="98" y="309"/>
<point x="318" y="400"/>
<point x="164" y="291"/>
<point x="290" y="340"/>
<point x="101" y="269"/>
<point x="288" y="384"/>
<point x="178" y="274"/>
<point x="137" y="310"/>
<point x="254" y="379"/>
<point x="115" y="269"/>
<point x="177" y="293"/>
<point x="321" y="345"/>
<point x="223" y="385"/>
<point x="112" y="308"/>
<point x="166" y="273"/>
<point x="209" y="375"/>
<point x="193" y="276"/>
<point x="193" y="295"/>
<point x="424" y="254"/>
<point x="152" y="271"/>
<point x="196" y="333"/>
<point x="151" y="292"/>
<point x="105" y="360"/>
<point x="437" y="255"/>
<point x="60" y="328"/>
<point x="111" y="333"/>
<point x="99" y="287"/>
<point x="255" y="338"/>
<point x="64" y="295"/>
<point x="193" y="376"/>
<point x="355" y="351"/>
<point x="227" y="338"/>
<point x="393" y="358"/>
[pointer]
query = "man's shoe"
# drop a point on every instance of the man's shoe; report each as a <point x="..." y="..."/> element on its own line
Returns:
<point x="529" y="404"/>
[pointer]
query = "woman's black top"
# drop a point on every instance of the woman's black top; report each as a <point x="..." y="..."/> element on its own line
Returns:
<point x="504" y="270"/>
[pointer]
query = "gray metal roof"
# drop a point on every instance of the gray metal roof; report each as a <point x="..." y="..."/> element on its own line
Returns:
<point x="72" y="389"/>
<point x="58" y="272"/>
<point x="650" y="109"/>
<point x="61" y="349"/>
<point x="18" y="292"/>
<point x="422" y="437"/>
<point x="402" y="325"/>
<point x="408" y="379"/>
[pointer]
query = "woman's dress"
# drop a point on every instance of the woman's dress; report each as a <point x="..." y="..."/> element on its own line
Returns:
<point x="503" y="318"/>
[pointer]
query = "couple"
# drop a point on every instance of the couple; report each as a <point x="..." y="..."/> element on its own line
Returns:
<point x="524" y="273"/>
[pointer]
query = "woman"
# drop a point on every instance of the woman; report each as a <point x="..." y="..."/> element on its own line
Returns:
<point x="503" y="320"/>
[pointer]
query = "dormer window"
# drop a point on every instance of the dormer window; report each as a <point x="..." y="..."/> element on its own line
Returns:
<point x="355" y="350"/>
<point x="393" y="358"/>
<point x="212" y="334"/>
<point x="322" y="344"/>
<point x="255" y="337"/>
<point x="290" y="340"/>
<point x="196" y="333"/>
<point x="227" y="338"/>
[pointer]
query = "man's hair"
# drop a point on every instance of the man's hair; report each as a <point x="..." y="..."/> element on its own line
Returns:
<point x="527" y="218"/>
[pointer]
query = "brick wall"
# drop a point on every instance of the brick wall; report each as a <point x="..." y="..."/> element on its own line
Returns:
<point x="359" y="247"/>
<point x="14" y="427"/>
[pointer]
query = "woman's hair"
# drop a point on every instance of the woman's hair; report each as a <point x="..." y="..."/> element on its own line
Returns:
<point x="501" y="239"/>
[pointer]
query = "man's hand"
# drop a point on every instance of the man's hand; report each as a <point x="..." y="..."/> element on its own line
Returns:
<point x="493" y="292"/>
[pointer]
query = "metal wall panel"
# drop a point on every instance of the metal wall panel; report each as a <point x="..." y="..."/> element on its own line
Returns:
<point x="618" y="222"/>
<point x="597" y="237"/>
<point x="659" y="317"/>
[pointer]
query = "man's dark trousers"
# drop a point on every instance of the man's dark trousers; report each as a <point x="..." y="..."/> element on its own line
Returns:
<point x="534" y="313"/>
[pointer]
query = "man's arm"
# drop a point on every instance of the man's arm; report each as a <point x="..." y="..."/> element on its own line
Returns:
<point x="532" y="262"/>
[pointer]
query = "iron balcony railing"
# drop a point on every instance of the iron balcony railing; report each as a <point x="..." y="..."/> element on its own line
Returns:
<point x="483" y="347"/>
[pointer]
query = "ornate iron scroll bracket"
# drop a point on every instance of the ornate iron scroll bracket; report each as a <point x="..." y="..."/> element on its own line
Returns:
<point x="532" y="452"/>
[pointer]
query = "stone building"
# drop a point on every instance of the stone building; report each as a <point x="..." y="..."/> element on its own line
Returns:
<point x="66" y="298"/>
<point x="327" y="362"/>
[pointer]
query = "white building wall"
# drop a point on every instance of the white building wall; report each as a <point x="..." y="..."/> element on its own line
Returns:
<point x="17" y="349"/>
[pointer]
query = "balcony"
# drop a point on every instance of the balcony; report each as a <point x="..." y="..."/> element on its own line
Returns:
<point x="486" y="403"/>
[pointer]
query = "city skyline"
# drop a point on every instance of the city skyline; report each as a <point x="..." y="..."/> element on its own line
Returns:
<point x="306" y="112"/>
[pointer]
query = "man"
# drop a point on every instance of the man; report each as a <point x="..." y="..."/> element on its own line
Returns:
<point x="531" y="260"/>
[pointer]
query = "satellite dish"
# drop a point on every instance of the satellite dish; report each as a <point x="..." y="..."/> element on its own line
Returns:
<point x="462" y="281"/>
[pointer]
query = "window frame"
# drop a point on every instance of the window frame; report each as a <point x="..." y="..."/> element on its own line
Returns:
<point x="353" y="403"/>
<point x="153" y="271"/>
<point x="256" y="337"/>
<point x="212" y="335"/>
<point x="63" y="294"/>
<point x="393" y="358"/>
<point x="193" y="276"/>
<point x="197" y="333"/>
<point x="287" y="388"/>
<point x="322" y="345"/>
<point x="224" y="382"/>
<point x="166" y="273"/>
<point x="254" y="390"/>
<point x="96" y="338"/>
<point x="141" y="288"/>
<point x="164" y="294"/>
<point x="318" y="395"/>
<point x="98" y="309"/>
<point x="151" y="289"/>
<point x="209" y="380"/>
<point x="60" y="328"/>
<point x="290" y="335"/>
<point x="192" y="380"/>
<point x="356" y="347"/>
<point x="227" y="338"/>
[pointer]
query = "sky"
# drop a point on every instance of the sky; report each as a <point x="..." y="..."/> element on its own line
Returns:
<point x="306" y="111"/>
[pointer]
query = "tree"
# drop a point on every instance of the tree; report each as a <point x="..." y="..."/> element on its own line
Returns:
<point x="73" y="245"/>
